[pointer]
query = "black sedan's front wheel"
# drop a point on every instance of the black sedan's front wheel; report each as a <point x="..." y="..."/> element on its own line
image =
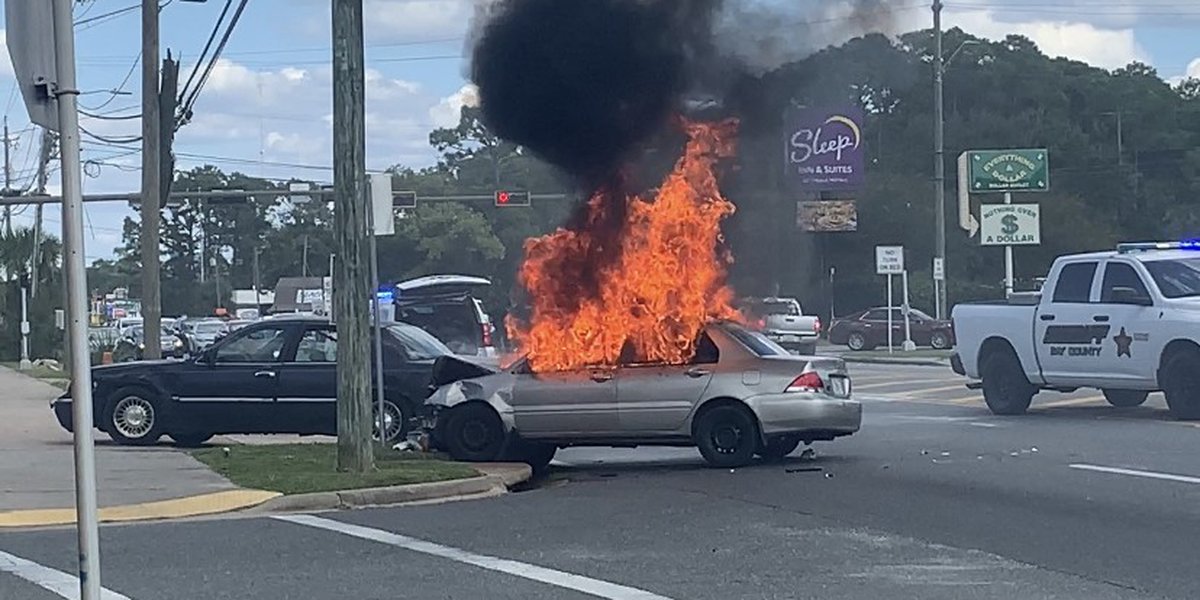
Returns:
<point x="473" y="432"/>
<point x="395" y="423"/>
<point x="727" y="435"/>
<point x="133" y="417"/>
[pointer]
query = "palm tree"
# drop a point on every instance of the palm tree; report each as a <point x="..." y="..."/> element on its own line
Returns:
<point x="17" y="255"/>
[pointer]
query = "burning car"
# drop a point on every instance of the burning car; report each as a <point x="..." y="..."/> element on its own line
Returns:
<point x="740" y="395"/>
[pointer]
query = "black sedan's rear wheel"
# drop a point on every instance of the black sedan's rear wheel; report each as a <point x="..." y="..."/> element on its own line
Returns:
<point x="133" y="417"/>
<point x="474" y="432"/>
<point x="727" y="435"/>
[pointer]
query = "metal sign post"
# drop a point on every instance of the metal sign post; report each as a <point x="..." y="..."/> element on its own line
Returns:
<point x="889" y="309"/>
<point x="939" y="281"/>
<point x="889" y="260"/>
<point x="908" y="346"/>
<point x="1008" y="258"/>
<point x="381" y="223"/>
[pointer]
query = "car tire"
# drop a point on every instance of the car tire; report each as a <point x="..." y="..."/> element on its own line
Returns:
<point x="191" y="439"/>
<point x="1125" y="398"/>
<point x="939" y="340"/>
<point x="778" y="448"/>
<point x="1006" y="390"/>
<point x="133" y="417"/>
<point x="474" y="433"/>
<point x="538" y="456"/>
<point x="397" y="422"/>
<point x="727" y="435"/>
<point x="1180" y="382"/>
<point x="857" y="342"/>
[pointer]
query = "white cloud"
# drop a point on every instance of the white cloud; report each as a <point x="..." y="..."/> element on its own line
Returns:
<point x="1099" y="46"/>
<point x="391" y="20"/>
<point x="446" y="113"/>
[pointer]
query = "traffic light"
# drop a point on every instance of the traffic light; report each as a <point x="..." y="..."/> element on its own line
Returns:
<point x="512" y="198"/>
<point x="404" y="199"/>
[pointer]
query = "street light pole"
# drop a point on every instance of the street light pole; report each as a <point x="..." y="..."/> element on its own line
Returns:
<point x="939" y="163"/>
<point x="151" y="183"/>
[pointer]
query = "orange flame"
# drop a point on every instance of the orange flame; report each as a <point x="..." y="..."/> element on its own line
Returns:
<point x="655" y="290"/>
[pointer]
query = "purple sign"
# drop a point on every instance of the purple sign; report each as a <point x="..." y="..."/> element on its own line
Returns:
<point x="824" y="149"/>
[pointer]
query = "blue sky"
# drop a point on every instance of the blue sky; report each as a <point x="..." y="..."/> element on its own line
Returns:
<point x="265" y="109"/>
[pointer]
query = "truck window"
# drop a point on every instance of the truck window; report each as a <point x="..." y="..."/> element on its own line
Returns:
<point x="1075" y="282"/>
<point x="1120" y="275"/>
<point x="1176" y="278"/>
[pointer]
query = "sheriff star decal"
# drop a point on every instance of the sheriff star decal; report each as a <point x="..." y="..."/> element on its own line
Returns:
<point x="1123" y="342"/>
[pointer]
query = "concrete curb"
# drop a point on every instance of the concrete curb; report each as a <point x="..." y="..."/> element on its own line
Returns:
<point x="175" y="508"/>
<point x="495" y="479"/>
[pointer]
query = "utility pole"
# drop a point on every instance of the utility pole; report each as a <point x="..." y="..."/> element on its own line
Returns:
<point x="151" y="183"/>
<point x="7" y="181"/>
<point x="304" y="259"/>
<point x="42" y="175"/>
<point x="351" y="276"/>
<point x="939" y="162"/>
<point x="257" y="294"/>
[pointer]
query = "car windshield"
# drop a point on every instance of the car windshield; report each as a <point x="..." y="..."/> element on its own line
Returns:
<point x="210" y="327"/>
<point x="417" y="342"/>
<point x="754" y="341"/>
<point x="780" y="308"/>
<point x="1176" y="278"/>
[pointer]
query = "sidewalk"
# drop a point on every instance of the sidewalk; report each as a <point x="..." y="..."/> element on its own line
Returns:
<point x="37" y="469"/>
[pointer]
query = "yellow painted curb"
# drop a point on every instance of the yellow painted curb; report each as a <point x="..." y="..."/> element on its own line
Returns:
<point x="175" y="508"/>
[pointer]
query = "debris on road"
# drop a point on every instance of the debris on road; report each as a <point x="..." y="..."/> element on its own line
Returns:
<point x="803" y="470"/>
<point x="808" y="454"/>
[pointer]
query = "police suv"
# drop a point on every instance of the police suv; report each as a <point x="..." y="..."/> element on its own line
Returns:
<point x="1125" y="322"/>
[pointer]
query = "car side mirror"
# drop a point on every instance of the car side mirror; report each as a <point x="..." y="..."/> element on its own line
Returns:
<point x="1128" y="295"/>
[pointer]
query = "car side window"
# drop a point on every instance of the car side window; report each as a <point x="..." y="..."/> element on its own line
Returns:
<point x="317" y="345"/>
<point x="260" y="345"/>
<point x="707" y="352"/>
<point x="1075" y="283"/>
<point x="1120" y="275"/>
<point x="875" y="315"/>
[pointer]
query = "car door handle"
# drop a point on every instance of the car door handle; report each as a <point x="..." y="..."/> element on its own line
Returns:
<point x="697" y="373"/>
<point x="265" y="374"/>
<point x="1100" y="318"/>
<point x="1046" y="317"/>
<point x="601" y="376"/>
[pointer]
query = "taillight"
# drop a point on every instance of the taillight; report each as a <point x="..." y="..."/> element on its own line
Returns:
<point x="762" y="323"/>
<point x="487" y="333"/>
<point x="808" y="382"/>
<point x="817" y="324"/>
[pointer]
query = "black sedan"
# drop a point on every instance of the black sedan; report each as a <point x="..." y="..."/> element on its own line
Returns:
<point x="276" y="376"/>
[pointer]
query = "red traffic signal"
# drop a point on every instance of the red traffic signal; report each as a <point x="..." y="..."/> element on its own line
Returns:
<point x="512" y="198"/>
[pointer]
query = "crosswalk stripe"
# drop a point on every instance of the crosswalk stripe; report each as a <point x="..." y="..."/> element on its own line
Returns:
<point x="52" y="580"/>
<point x="1071" y="402"/>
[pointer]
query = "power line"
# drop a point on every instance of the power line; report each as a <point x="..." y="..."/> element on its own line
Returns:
<point x="120" y="88"/>
<point x="207" y="45"/>
<point x="186" y="109"/>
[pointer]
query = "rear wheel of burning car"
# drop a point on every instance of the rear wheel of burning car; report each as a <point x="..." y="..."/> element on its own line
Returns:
<point x="473" y="432"/>
<point x="727" y="435"/>
<point x="778" y="448"/>
<point x="538" y="456"/>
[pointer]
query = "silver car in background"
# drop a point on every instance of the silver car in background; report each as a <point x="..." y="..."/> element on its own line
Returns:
<point x="742" y="395"/>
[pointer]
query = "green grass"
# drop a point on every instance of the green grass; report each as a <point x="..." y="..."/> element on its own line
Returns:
<point x="302" y="468"/>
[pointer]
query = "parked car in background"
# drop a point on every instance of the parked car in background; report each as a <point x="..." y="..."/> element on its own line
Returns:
<point x="869" y="329"/>
<point x="202" y="334"/>
<point x="129" y="347"/>
<point x="274" y="376"/>
<point x="445" y="306"/>
<point x="784" y="322"/>
<point x="712" y="403"/>
<point x="124" y="324"/>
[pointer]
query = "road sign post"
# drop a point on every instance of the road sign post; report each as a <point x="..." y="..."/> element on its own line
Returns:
<point x="939" y="281"/>
<point x="889" y="260"/>
<point x="1008" y="171"/>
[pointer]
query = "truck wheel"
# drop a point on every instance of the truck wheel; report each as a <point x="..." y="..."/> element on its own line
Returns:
<point x="1180" y="381"/>
<point x="1006" y="390"/>
<point x="1125" y="398"/>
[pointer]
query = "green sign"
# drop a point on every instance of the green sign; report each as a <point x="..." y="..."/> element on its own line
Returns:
<point x="1008" y="170"/>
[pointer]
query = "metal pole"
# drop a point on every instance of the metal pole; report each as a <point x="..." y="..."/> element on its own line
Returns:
<point x="355" y="452"/>
<point x="889" y="299"/>
<point x="1008" y="258"/>
<point x="257" y="293"/>
<point x="77" y="304"/>
<point x="25" y="364"/>
<point x="7" y="181"/>
<point x="377" y="336"/>
<point x="151" y="184"/>
<point x="939" y="163"/>
<point x="908" y="346"/>
<point x="304" y="258"/>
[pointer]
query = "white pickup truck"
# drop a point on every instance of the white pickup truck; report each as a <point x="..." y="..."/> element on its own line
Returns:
<point x="1125" y="322"/>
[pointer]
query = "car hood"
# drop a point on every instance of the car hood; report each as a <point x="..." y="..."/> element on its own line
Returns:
<point x="120" y="368"/>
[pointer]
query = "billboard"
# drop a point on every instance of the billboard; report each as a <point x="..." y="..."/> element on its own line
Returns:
<point x="824" y="149"/>
<point x="827" y="215"/>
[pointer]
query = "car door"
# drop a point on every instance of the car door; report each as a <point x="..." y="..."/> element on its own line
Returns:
<point x="232" y="387"/>
<point x="1068" y="335"/>
<point x="655" y="399"/>
<point x="577" y="403"/>
<point x="873" y="326"/>
<point x="306" y="401"/>
<point x="1127" y="358"/>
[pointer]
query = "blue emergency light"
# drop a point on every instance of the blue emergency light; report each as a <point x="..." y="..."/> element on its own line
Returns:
<point x="1192" y="244"/>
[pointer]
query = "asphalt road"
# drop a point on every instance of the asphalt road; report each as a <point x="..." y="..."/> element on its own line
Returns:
<point x="934" y="498"/>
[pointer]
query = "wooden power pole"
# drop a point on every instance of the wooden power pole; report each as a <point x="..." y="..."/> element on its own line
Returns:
<point x="351" y="278"/>
<point x="151" y="184"/>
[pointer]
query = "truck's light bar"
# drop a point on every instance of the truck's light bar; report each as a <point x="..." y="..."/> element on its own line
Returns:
<point x="1146" y="246"/>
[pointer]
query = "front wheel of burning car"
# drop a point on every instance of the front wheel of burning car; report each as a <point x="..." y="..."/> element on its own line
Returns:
<point x="473" y="432"/>
<point x="727" y="435"/>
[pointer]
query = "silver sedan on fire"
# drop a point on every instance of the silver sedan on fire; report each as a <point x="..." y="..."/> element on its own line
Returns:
<point x="742" y="395"/>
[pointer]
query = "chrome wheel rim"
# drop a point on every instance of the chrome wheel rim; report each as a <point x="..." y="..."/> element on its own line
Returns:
<point x="393" y="422"/>
<point x="133" y="417"/>
<point x="855" y="342"/>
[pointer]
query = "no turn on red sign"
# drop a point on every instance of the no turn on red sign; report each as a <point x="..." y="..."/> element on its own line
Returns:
<point x="889" y="260"/>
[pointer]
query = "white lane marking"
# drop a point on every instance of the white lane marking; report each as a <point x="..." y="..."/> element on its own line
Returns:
<point x="571" y="581"/>
<point x="1136" y="473"/>
<point x="979" y="424"/>
<point x="49" y="579"/>
<point x="1071" y="402"/>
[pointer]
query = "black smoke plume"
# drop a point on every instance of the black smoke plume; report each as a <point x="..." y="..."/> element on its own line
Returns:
<point x="582" y="82"/>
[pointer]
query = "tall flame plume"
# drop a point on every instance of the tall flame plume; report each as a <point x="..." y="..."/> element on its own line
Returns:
<point x="656" y="282"/>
